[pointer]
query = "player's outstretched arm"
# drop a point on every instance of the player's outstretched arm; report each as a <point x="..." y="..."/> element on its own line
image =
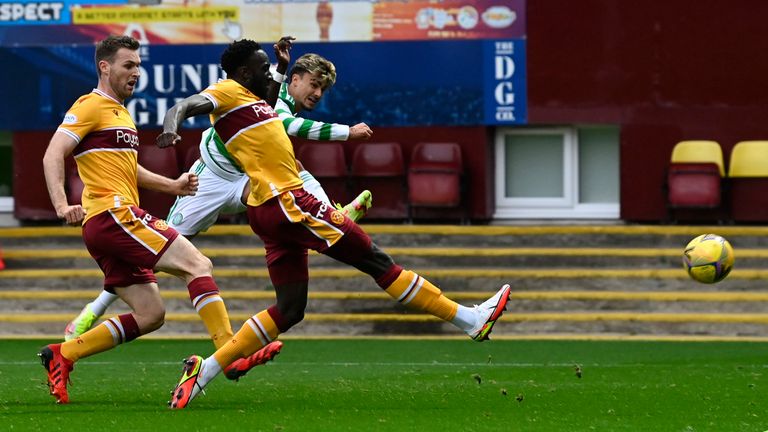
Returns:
<point x="61" y="145"/>
<point x="317" y="130"/>
<point x="189" y="107"/>
<point x="186" y="184"/>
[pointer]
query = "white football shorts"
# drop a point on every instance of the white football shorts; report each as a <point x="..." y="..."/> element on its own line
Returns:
<point x="192" y="214"/>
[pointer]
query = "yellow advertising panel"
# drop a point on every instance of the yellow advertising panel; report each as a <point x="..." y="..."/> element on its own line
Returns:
<point x="115" y="15"/>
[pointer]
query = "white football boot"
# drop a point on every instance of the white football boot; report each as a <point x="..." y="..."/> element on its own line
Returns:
<point x="488" y="312"/>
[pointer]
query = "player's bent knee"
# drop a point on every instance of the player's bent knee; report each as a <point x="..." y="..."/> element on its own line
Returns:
<point x="204" y="265"/>
<point x="155" y="325"/>
<point x="158" y="319"/>
<point x="293" y="317"/>
<point x="291" y="313"/>
<point x="199" y="265"/>
<point x="183" y="260"/>
<point x="150" y="320"/>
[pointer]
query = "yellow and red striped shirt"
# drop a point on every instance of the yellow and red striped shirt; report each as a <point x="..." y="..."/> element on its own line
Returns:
<point x="106" y="153"/>
<point x="254" y="139"/>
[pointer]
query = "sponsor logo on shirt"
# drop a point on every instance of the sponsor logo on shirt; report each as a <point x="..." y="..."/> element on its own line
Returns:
<point x="127" y="137"/>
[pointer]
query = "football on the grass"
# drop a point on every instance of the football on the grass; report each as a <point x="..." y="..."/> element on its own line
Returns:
<point x="708" y="258"/>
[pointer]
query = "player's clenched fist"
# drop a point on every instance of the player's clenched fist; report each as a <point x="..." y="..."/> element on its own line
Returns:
<point x="167" y="139"/>
<point x="187" y="184"/>
<point x="360" y="131"/>
<point x="72" y="214"/>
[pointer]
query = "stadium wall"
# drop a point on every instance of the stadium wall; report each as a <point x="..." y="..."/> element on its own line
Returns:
<point x="663" y="71"/>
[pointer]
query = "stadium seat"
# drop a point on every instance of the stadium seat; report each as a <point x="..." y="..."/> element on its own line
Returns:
<point x="748" y="180"/>
<point x="694" y="185"/>
<point x="434" y="176"/>
<point x="749" y="159"/>
<point x="694" y="182"/>
<point x="161" y="161"/>
<point x="379" y="167"/>
<point x="699" y="151"/>
<point x="327" y="163"/>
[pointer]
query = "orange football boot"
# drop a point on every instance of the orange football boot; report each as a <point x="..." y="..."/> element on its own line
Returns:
<point x="58" y="371"/>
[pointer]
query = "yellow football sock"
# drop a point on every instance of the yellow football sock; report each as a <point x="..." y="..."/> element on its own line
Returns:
<point x="95" y="340"/>
<point x="413" y="290"/>
<point x="257" y="332"/>
<point x="216" y="319"/>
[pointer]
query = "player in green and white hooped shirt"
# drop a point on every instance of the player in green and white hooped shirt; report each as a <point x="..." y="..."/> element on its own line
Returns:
<point x="310" y="77"/>
<point x="224" y="188"/>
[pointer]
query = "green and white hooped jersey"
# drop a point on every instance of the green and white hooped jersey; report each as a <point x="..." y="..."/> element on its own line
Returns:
<point x="216" y="157"/>
<point x="303" y="128"/>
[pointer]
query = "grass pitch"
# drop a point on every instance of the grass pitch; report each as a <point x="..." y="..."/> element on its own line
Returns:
<point x="406" y="385"/>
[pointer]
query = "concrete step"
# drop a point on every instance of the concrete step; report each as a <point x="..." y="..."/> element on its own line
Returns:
<point x="751" y="302"/>
<point x="629" y="236"/>
<point x="449" y="279"/>
<point x="566" y="280"/>
<point x="412" y="257"/>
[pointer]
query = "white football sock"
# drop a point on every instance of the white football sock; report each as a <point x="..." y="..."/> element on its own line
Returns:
<point x="312" y="186"/>
<point x="209" y="368"/>
<point x="465" y="318"/>
<point x="208" y="371"/>
<point x="102" y="302"/>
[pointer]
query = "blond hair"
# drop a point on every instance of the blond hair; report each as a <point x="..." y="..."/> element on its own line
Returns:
<point x="316" y="65"/>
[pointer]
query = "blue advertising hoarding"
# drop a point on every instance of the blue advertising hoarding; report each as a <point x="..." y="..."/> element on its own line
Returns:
<point x="398" y="83"/>
<point x="400" y="62"/>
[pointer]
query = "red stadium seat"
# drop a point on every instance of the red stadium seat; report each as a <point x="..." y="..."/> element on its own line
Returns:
<point x="161" y="161"/>
<point x="379" y="167"/>
<point x="694" y="185"/>
<point x="434" y="175"/>
<point x="327" y="163"/>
